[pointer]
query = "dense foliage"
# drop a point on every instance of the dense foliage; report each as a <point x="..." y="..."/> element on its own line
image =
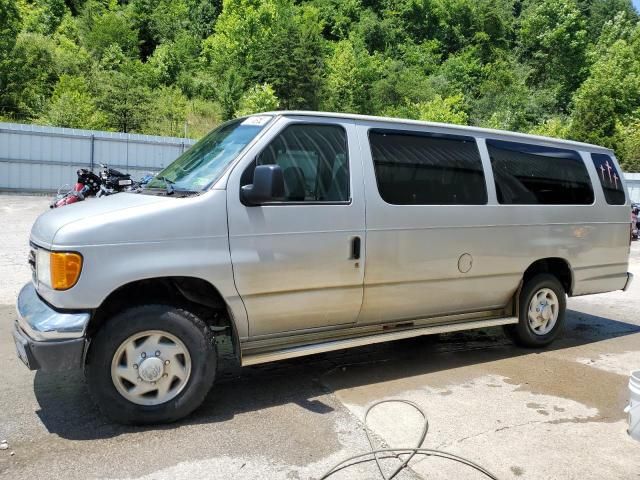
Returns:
<point x="566" y="68"/>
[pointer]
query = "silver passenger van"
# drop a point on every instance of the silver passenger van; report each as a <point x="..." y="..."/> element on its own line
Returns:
<point x="292" y="233"/>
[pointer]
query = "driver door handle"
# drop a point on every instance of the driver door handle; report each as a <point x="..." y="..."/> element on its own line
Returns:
<point x="355" y="248"/>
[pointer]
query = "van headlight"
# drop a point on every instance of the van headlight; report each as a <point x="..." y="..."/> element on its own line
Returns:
<point x="58" y="270"/>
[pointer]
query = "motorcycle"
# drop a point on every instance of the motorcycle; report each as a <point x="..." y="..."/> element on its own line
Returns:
<point x="89" y="184"/>
<point x="114" y="181"/>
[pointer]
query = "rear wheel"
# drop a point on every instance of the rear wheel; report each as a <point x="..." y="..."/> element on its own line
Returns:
<point x="541" y="312"/>
<point x="151" y="364"/>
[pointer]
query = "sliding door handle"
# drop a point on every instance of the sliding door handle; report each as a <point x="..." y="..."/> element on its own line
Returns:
<point x="355" y="248"/>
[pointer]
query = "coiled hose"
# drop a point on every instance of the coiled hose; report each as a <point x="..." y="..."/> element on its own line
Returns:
<point x="397" y="452"/>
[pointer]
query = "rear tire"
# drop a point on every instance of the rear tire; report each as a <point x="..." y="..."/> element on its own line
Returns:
<point x="151" y="364"/>
<point x="541" y="314"/>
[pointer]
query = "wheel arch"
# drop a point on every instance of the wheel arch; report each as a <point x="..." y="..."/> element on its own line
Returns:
<point x="556" y="266"/>
<point x="193" y="293"/>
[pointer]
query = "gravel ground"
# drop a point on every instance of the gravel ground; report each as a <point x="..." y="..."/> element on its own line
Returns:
<point x="551" y="414"/>
<point x="17" y="214"/>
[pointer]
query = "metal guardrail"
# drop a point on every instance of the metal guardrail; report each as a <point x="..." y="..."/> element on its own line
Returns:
<point x="633" y="184"/>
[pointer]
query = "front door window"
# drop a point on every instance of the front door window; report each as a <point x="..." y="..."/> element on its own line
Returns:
<point x="314" y="162"/>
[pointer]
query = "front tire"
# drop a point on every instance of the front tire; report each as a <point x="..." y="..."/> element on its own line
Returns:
<point x="541" y="314"/>
<point x="151" y="364"/>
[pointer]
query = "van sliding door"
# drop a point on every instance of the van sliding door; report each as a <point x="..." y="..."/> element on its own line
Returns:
<point x="430" y="242"/>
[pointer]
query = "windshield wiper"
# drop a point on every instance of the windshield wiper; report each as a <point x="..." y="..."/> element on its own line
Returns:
<point x="169" y="185"/>
<point x="171" y="190"/>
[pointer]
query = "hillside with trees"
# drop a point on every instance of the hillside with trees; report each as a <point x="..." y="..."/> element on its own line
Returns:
<point x="564" y="68"/>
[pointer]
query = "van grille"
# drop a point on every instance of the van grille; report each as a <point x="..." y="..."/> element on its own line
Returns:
<point x="31" y="260"/>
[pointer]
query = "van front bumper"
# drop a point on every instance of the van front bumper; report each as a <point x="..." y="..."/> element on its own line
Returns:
<point x="45" y="338"/>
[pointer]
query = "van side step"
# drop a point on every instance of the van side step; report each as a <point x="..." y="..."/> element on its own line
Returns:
<point x="250" y="358"/>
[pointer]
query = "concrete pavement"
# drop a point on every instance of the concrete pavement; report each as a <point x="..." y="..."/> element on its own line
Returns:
<point x="551" y="414"/>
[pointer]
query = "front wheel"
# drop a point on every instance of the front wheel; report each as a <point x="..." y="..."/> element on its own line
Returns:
<point x="151" y="364"/>
<point x="541" y="312"/>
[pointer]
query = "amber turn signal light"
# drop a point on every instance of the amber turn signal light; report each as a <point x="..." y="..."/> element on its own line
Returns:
<point x="65" y="269"/>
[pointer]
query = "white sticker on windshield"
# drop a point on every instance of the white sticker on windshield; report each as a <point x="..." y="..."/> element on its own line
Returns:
<point x="258" y="120"/>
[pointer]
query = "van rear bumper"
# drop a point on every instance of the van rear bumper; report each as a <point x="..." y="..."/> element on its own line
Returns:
<point x="600" y="279"/>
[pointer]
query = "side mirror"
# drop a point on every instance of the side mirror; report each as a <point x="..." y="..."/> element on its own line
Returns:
<point x="268" y="185"/>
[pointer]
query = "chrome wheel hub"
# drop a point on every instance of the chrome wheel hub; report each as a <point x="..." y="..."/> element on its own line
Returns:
<point x="151" y="367"/>
<point x="543" y="311"/>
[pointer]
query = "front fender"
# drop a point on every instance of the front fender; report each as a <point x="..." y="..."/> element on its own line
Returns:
<point x="187" y="238"/>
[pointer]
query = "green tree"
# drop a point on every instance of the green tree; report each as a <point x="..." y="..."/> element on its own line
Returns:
<point x="168" y="19"/>
<point x="438" y="109"/>
<point x="75" y="6"/>
<point x="72" y="105"/>
<point x="273" y="41"/>
<point x="44" y="16"/>
<point x="621" y="27"/>
<point x="445" y="110"/>
<point x="557" y="127"/>
<point x="9" y="28"/>
<point x="259" y="98"/>
<point x="344" y="91"/>
<point x="30" y="76"/>
<point x="338" y="17"/>
<point x="599" y="12"/>
<point x="124" y="98"/>
<point x="350" y="72"/>
<point x="461" y="72"/>
<point x="228" y="93"/>
<point x="610" y="94"/>
<point x="174" y="62"/>
<point x="168" y="112"/>
<point x="241" y="31"/>
<point x="556" y="67"/>
<point x="202" y="117"/>
<point x="291" y="59"/>
<point x="504" y="100"/>
<point x="553" y="40"/>
<point x="456" y="24"/>
<point x="404" y="76"/>
<point x="140" y="12"/>
<point x="70" y="57"/>
<point x="103" y="27"/>
<point x="628" y="145"/>
<point x="378" y="33"/>
<point x="203" y="15"/>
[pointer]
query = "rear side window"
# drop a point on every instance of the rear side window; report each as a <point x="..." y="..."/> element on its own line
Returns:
<point x="414" y="168"/>
<point x="609" y="179"/>
<point x="536" y="175"/>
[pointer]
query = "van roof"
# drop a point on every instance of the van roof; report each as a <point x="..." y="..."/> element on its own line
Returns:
<point x="464" y="128"/>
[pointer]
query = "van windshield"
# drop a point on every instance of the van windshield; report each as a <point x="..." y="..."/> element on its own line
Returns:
<point x="197" y="168"/>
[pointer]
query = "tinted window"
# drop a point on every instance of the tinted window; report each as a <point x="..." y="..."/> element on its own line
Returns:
<point x="609" y="179"/>
<point x="314" y="162"/>
<point x="427" y="169"/>
<point x="531" y="174"/>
